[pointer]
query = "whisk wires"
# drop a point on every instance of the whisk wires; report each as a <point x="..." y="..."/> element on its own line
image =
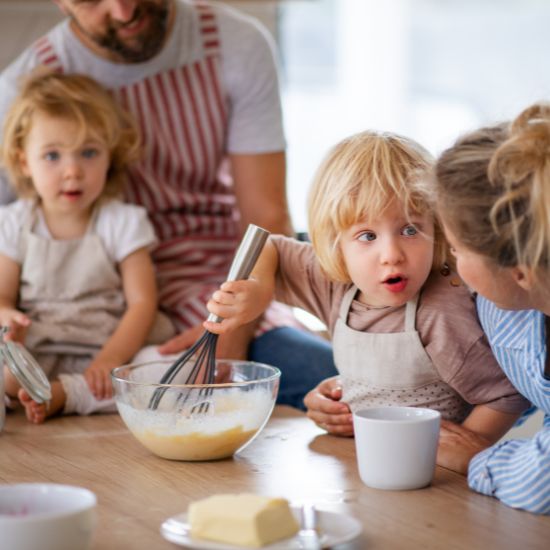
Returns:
<point x="204" y="368"/>
<point x="203" y="353"/>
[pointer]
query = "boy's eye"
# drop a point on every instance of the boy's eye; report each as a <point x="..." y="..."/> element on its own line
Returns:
<point x="89" y="152"/>
<point x="409" y="231"/>
<point x="51" y="155"/>
<point x="453" y="251"/>
<point x="367" y="236"/>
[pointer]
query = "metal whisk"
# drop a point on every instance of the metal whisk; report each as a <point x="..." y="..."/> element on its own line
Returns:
<point x="203" y="351"/>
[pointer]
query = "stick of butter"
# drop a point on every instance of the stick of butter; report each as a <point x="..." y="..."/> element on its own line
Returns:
<point x="245" y="520"/>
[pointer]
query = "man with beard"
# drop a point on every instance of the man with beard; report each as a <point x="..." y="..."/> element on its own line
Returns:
<point x="202" y="83"/>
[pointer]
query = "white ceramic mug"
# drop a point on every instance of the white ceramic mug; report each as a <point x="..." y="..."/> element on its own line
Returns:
<point x="396" y="446"/>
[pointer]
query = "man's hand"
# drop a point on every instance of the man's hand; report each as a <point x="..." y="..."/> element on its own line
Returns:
<point x="182" y="341"/>
<point x="229" y="346"/>
<point x="458" y="445"/>
<point x="327" y="411"/>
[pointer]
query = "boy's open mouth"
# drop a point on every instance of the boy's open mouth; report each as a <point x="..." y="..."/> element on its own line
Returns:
<point x="395" y="283"/>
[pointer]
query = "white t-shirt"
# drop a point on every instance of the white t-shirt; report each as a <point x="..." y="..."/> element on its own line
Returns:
<point x="122" y="228"/>
<point x="248" y="69"/>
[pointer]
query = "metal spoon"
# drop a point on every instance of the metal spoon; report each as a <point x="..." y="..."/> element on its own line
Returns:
<point x="308" y="536"/>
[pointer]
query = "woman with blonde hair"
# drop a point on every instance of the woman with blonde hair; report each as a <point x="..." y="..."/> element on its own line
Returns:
<point x="404" y="331"/>
<point x="493" y="196"/>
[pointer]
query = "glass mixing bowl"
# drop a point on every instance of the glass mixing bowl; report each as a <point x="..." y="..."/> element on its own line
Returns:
<point x="196" y="422"/>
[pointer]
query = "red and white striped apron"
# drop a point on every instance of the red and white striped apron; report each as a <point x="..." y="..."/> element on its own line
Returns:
<point x="182" y="116"/>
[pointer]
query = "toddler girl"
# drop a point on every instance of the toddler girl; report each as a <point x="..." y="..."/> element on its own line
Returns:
<point x="404" y="330"/>
<point x="493" y="196"/>
<point x="78" y="285"/>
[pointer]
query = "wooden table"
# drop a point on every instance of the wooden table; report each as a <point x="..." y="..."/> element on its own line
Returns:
<point x="292" y="458"/>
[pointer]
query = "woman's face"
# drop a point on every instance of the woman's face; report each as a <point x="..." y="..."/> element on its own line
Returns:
<point x="500" y="285"/>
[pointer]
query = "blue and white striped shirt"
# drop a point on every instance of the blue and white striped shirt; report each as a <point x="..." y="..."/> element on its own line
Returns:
<point x="517" y="471"/>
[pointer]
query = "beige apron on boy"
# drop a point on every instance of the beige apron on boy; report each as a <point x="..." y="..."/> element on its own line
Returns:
<point x="390" y="368"/>
<point x="74" y="309"/>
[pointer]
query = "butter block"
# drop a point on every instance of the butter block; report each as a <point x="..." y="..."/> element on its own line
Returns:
<point x="244" y="520"/>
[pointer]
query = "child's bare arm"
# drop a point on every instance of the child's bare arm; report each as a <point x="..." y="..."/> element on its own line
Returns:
<point x="241" y="302"/>
<point x="16" y="321"/>
<point x="483" y="427"/>
<point x="489" y="423"/>
<point x="138" y="281"/>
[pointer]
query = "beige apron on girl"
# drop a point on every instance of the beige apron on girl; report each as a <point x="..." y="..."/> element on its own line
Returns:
<point x="73" y="293"/>
<point x="390" y="368"/>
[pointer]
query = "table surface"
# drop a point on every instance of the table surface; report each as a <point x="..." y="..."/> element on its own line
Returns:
<point x="291" y="458"/>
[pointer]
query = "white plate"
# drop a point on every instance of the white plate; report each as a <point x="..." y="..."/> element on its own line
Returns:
<point x="334" y="529"/>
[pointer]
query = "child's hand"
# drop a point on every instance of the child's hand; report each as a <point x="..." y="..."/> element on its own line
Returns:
<point x="237" y="303"/>
<point x="327" y="411"/>
<point x="17" y="323"/>
<point x="98" y="376"/>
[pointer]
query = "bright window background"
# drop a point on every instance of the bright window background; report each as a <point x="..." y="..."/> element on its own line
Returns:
<point x="429" y="69"/>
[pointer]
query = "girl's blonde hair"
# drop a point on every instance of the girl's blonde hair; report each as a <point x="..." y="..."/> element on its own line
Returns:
<point x="76" y="98"/>
<point x="493" y="190"/>
<point x="358" y="179"/>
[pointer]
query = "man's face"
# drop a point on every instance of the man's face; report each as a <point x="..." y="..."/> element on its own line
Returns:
<point x="126" y="31"/>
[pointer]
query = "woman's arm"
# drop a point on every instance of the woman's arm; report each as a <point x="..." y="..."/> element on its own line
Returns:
<point x="489" y="423"/>
<point x="482" y="428"/>
<point x="516" y="471"/>
<point x="140" y="292"/>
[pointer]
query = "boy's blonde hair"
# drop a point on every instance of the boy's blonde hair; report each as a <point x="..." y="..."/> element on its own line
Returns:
<point x="493" y="190"/>
<point x="358" y="179"/>
<point x="76" y="98"/>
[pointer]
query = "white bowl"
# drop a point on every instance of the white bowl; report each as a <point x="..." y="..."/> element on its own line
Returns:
<point x="46" y="516"/>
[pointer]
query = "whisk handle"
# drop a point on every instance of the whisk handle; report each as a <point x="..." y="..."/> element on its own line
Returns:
<point x="246" y="257"/>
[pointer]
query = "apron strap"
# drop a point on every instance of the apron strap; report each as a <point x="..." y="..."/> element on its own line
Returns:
<point x="93" y="218"/>
<point x="547" y="363"/>
<point x="31" y="220"/>
<point x="346" y="303"/>
<point x="410" y="314"/>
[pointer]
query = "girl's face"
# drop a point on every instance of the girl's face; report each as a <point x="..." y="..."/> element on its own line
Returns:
<point x="501" y="285"/>
<point x="67" y="176"/>
<point x="390" y="257"/>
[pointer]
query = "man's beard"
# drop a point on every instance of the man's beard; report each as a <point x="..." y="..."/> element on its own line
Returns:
<point x="150" y="43"/>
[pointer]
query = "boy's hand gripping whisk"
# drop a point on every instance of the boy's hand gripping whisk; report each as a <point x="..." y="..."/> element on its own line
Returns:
<point x="203" y="351"/>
